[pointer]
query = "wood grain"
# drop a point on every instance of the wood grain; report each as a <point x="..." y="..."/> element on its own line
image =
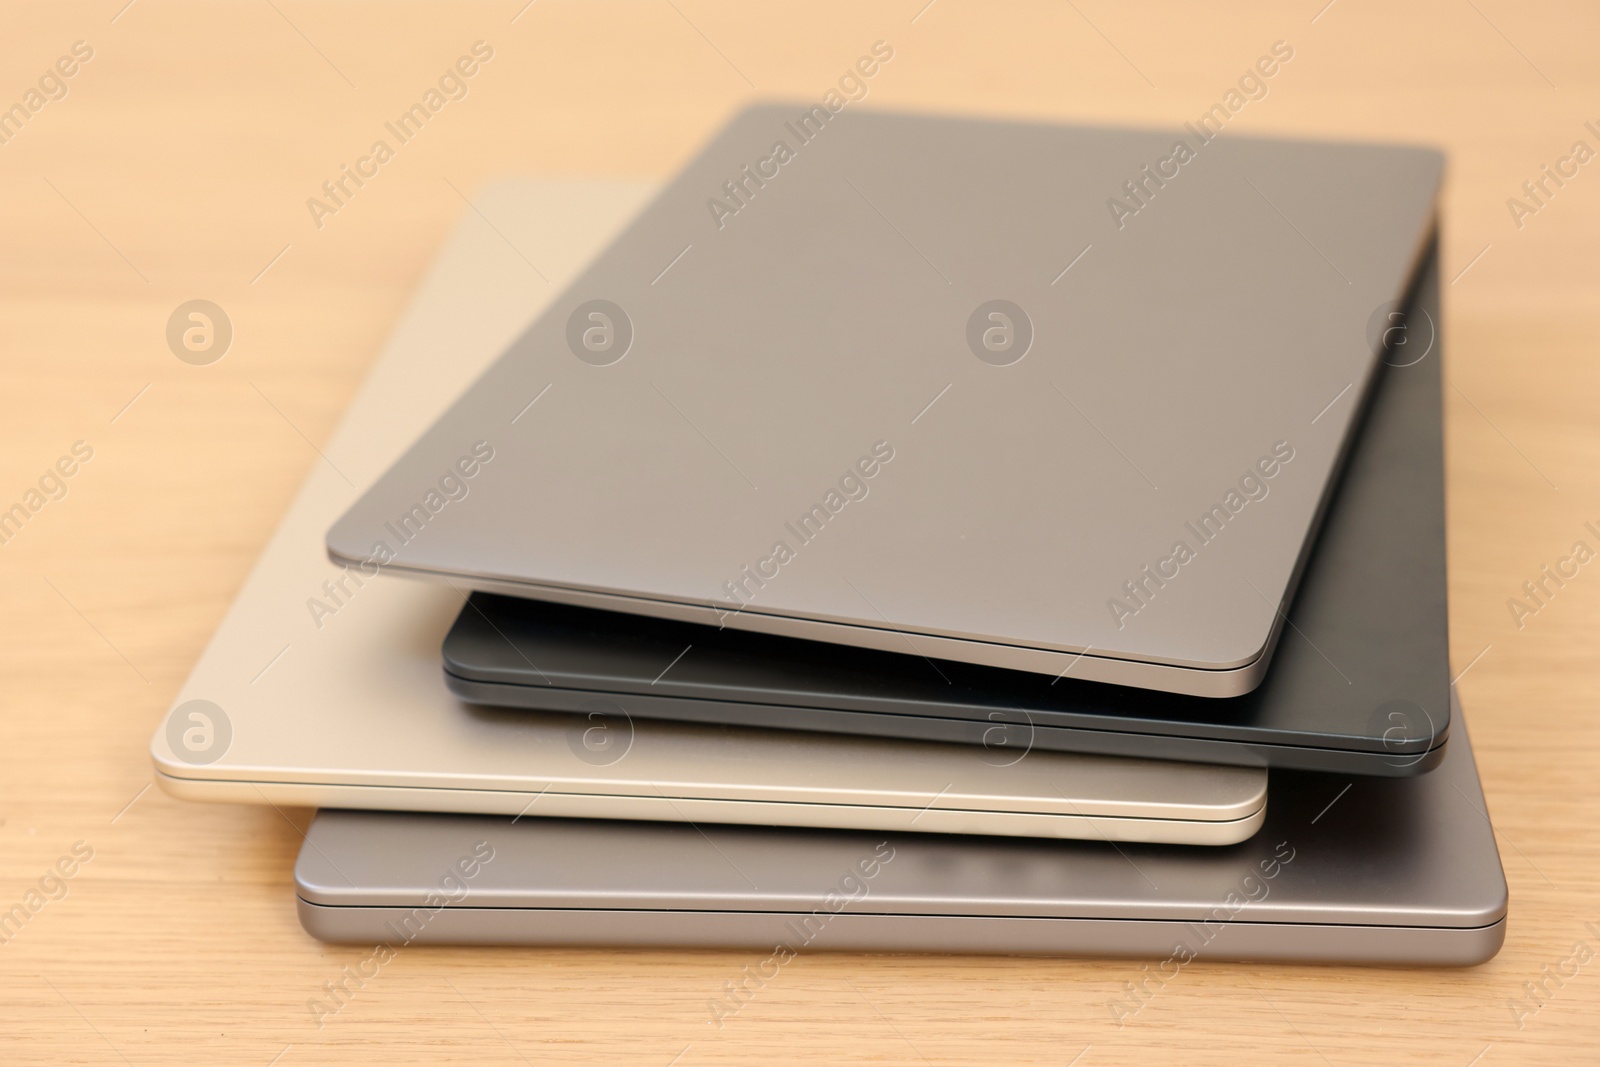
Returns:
<point x="177" y="166"/>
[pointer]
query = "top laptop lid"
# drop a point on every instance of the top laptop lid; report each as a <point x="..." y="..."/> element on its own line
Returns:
<point x="997" y="392"/>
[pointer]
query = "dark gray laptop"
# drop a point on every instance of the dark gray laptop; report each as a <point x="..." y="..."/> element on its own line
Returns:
<point x="1022" y="395"/>
<point x="1348" y="870"/>
<point x="1359" y="684"/>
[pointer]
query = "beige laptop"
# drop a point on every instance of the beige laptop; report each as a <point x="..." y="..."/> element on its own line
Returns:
<point x="323" y="685"/>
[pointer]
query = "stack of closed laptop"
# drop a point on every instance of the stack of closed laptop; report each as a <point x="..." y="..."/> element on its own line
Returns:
<point x="935" y="535"/>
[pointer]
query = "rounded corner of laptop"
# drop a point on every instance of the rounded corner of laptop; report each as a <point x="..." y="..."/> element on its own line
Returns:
<point x="317" y="882"/>
<point x="1237" y="831"/>
<point x="1480" y="942"/>
<point x="181" y="778"/>
<point x="458" y="650"/>
<point x="1494" y="909"/>
<point x="1428" y="754"/>
<point x="1498" y="910"/>
<point x="180" y="786"/>
<point x="339" y="553"/>
<point x="341" y="540"/>
<point x="1231" y="673"/>
<point x="194" y="790"/>
<point x="1428" y="760"/>
<point x="167" y="771"/>
<point x="1236" y="678"/>
<point x="1486" y="942"/>
<point x="329" y="924"/>
<point x="463" y="686"/>
<point x="1436" y="157"/>
<point x="1256" y="803"/>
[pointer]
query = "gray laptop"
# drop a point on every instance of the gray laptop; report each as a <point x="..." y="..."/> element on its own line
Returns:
<point x="1363" y="870"/>
<point x="1359" y="685"/>
<point x="1020" y="395"/>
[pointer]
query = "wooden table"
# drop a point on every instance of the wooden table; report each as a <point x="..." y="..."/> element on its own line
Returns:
<point x="178" y="164"/>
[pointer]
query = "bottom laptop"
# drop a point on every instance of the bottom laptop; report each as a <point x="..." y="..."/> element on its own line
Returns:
<point x="1346" y="870"/>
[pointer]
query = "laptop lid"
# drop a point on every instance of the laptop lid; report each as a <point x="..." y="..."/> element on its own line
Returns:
<point x="885" y="403"/>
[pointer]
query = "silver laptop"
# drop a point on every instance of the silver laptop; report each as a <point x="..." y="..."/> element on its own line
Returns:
<point x="323" y="686"/>
<point x="1363" y="870"/>
<point x="1039" y="397"/>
